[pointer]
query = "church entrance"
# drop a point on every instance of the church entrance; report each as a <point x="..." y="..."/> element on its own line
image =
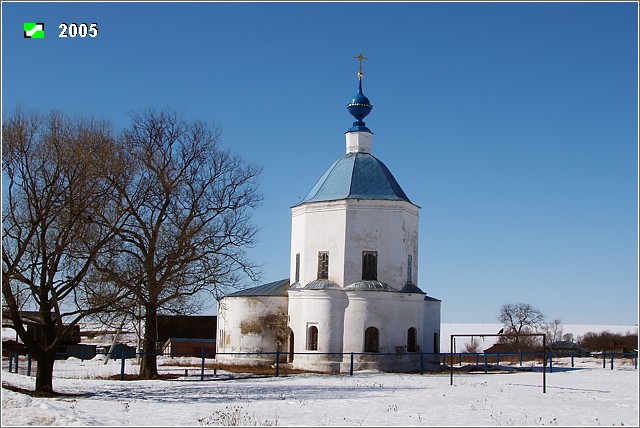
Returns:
<point x="290" y="345"/>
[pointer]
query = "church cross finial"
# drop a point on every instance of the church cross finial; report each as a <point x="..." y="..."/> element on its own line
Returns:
<point x="360" y="58"/>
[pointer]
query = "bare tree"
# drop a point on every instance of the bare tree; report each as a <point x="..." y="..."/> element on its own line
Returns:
<point x="472" y="347"/>
<point x="520" y="318"/>
<point x="553" y="331"/>
<point x="188" y="228"/>
<point x="50" y="235"/>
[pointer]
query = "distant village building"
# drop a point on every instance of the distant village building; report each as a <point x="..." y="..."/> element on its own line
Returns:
<point x="187" y="336"/>
<point x="353" y="285"/>
<point x="567" y="348"/>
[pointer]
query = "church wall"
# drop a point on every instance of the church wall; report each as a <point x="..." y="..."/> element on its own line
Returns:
<point x="252" y="324"/>
<point x="342" y="317"/>
<point x="431" y="326"/>
<point x="318" y="227"/>
<point x="324" y="309"/>
<point x="346" y="228"/>
<point x="391" y="313"/>
<point x="388" y="227"/>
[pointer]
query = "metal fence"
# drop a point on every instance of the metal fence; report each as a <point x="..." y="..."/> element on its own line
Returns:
<point x="426" y="362"/>
<point x="486" y="359"/>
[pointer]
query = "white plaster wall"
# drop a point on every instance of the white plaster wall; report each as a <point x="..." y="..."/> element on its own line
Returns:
<point x="342" y="318"/>
<point x="323" y="309"/>
<point x="359" y="142"/>
<point x="242" y="320"/>
<point x="315" y="227"/>
<point x="348" y="227"/>
<point x="432" y="320"/>
<point x="391" y="313"/>
<point x="388" y="227"/>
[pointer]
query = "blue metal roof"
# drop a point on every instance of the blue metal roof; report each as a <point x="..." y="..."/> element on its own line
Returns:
<point x="276" y="288"/>
<point x="357" y="176"/>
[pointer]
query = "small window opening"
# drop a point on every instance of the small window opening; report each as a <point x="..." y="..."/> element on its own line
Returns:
<point x="323" y="265"/>
<point x="370" y="265"/>
<point x="312" y="338"/>
<point x="371" y="340"/>
<point x="412" y="345"/>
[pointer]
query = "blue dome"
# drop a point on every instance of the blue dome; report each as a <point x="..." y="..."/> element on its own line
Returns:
<point x="359" y="100"/>
<point x="357" y="176"/>
<point x="359" y="107"/>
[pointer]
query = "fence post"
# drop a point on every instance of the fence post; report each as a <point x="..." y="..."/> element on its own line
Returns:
<point x="421" y="363"/>
<point x="520" y="358"/>
<point x="10" y="362"/>
<point x="459" y="359"/>
<point x="122" y="364"/>
<point x="202" y="363"/>
<point x="550" y="361"/>
<point x="277" y="363"/>
<point x="572" y="353"/>
<point x="604" y="359"/>
<point x="477" y="355"/>
<point x="17" y="359"/>
<point x="612" y="354"/>
<point x="485" y="363"/>
<point x="351" y="366"/>
<point x="544" y="363"/>
<point x="28" y="364"/>
<point x="498" y="359"/>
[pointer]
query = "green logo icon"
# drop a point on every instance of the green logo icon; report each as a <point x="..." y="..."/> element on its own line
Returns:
<point x="34" y="30"/>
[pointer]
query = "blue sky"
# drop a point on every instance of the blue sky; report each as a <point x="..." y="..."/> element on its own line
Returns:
<point x="514" y="126"/>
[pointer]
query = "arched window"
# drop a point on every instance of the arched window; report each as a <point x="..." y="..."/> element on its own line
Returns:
<point x="412" y="345"/>
<point x="291" y="345"/>
<point x="312" y="338"/>
<point x="371" y="340"/>
<point x="370" y="265"/>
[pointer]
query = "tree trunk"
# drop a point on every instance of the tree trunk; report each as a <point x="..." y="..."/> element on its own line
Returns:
<point x="149" y="367"/>
<point x="44" y="374"/>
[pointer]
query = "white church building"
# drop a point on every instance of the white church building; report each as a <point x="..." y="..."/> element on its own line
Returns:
<point x="353" y="285"/>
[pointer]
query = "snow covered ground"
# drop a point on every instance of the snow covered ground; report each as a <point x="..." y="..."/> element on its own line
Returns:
<point x="585" y="395"/>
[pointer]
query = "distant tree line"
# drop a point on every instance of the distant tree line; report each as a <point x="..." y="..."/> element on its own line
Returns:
<point x="607" y="341"/>
<point x="520" y="320"/>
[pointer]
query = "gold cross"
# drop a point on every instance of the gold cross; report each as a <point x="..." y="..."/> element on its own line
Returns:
<point x="360" y="58"/>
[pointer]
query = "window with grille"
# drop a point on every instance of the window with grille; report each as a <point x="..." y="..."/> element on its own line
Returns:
<point x="323" y="265"/>
<point x="312" y="338"/>
<point x="370" y="265"/>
